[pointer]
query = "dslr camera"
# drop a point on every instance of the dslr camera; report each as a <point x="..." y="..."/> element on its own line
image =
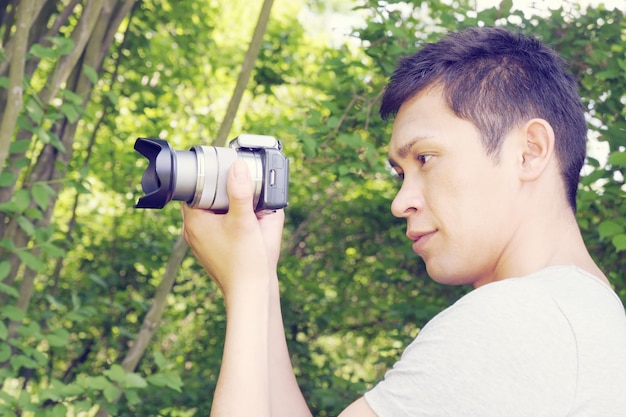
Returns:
<point x="198" y="176"/>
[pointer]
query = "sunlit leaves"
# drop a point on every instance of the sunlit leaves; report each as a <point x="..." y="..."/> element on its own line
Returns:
<point x="6" y="179"/>
<point x="19" y="146"/>
<point x="91" y="74"/>
<point x="618" y="158"/>
<point x="34" y="110"/>
<point x="168" y="380"/>
<point x="60" y="46"/>
<point x="353" y="292"/>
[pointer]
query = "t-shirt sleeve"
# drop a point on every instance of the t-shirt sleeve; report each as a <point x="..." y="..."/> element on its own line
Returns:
<point x="499" y="351"/>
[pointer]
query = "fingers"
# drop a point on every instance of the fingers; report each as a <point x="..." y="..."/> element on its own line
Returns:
<point x="239" y="187"/>
<point x="239" y="243"/>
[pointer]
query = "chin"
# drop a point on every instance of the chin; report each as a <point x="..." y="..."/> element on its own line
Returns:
<point x="449" y="276"/>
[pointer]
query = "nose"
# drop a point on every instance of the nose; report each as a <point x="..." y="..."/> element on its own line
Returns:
<point x="407" y="201"/>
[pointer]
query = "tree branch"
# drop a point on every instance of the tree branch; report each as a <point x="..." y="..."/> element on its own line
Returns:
<point x="244" y="74"/>
<point x="15" y="91"/>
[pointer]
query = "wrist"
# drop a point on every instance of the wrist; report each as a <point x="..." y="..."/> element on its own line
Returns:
<point x="248" y="292"/>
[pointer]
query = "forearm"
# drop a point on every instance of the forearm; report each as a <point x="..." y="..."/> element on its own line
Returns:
<point x="243" y="384"/>
<point x="286" y="396"/>
<point x="256" y="375"/>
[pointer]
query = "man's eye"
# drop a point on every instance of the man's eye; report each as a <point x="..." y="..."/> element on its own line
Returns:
<point x="422" y="159"/>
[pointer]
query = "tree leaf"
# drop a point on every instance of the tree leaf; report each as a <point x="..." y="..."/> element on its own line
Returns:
<point x="58" y="338"/>
<point x="609" y="228"/>
<point x="64" y="44"/>
<point x="26" y="225"/>
<point x="12" y="313"/>
<point x="618" y="158"/>
<point x="31" y="329"/>
<point x="59" y="410"/>
<point x="160" y="360"/>
<point x="134" y="380"/>
<point x="34" y="110"/>
<point x="95" y="382"/>
<point x="21" y="200"/>
<point x="30" y="260"/>
<point x="96" y="279"/>
<point x="619" y="241"/>
<point x="166" y="379"/>
<point x="5" y="351"/>
<point x="40" y="194"/>
<point x="6" y="179"/>
<point x="4" y="332"/>
<point x="42" y="52"/>
<point x="113" y="98"/>
<point x="5" y="268"/>
<point x="72" y="97"/>
<point x="309" y="146"/>
<point x="19" y="146"/>
<point x="9" y="290"/>
<point x="52" y="250"/>
<point x="132" y="397"/>
<point x="116" y="373"/>
<point x="111" y="392"/>
<point x="70" y="112"/>
<point x="90" y="73"/>
<point x="22" y="361"/>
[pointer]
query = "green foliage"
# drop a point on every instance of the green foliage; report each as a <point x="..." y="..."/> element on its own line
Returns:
<point x="353" y="292"/>
<point x="594" y="43"/>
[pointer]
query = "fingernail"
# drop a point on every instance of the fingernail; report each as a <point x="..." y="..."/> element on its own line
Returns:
<point x="239" y="170"/>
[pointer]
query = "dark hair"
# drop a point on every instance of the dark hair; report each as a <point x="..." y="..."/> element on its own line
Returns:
<point x="498" y="79"/>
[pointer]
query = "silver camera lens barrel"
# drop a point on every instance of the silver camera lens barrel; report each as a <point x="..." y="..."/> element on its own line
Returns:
<point x="184" y="170"/>
<point x="213" y="164"/>
<point x="207" y="177"/>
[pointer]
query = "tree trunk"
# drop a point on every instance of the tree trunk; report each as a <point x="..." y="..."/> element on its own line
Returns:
<point x="244" y="75"/>
<point x="93" y="37"/>
<point x="15" y="92"/>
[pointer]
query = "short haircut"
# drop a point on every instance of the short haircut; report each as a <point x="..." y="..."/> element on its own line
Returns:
<point x="497" y="80"/>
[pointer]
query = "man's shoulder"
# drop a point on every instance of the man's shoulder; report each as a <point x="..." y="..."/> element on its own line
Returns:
<point x="556" y="298"/>
<point x="551" y="285"/>
<point x="536" y="345"/>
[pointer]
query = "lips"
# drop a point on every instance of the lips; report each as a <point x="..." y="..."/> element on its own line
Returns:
<point x="420" y="239"/>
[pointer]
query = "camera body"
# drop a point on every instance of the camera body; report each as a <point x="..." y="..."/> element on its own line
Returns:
<point x="198" y="176"/>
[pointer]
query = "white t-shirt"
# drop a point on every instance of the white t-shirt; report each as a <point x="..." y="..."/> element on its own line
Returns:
<point x="549" y="344"/>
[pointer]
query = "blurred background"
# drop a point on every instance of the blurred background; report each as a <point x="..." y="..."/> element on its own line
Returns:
<point x="102" y="309"/>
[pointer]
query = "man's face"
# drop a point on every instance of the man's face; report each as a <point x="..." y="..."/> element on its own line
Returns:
<point x="459" y="202"/>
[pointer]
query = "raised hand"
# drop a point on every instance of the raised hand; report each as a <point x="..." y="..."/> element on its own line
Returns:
<point x="237" y="246"/>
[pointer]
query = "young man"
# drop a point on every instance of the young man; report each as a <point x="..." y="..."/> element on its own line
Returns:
<point x="489" y="139"/>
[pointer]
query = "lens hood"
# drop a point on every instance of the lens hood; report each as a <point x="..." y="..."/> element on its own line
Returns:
<point x="158" y="179"/>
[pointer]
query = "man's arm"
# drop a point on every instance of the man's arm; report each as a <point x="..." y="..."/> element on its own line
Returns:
<point x="243" y="384"/>
<point x="359" y="408"/>
<point x="240" y="252"/>
<point x="286" y="397"/>
<point x="234" y="251"/>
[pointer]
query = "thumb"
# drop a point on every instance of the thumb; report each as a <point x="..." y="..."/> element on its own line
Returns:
<point x="239" y="187"/>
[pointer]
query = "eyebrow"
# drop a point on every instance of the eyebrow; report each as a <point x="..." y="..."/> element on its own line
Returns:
<point x="404" y="150"/>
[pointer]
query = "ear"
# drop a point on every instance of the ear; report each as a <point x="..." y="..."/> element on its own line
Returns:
<point x="537" y="149"/>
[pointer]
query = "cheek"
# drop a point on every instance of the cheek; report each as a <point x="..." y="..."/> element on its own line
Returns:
<point x="459" y="191"/>
<point x="467" y="203"/>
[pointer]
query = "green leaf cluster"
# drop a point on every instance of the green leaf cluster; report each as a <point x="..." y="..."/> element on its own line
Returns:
<point x="80" y="267"/>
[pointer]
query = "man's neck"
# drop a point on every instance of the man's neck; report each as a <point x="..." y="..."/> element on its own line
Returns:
<point x="549" y="238"/>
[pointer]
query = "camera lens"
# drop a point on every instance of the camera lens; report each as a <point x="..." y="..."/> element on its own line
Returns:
<point x="197" y="176"/>
<point x="213" y="165"/>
